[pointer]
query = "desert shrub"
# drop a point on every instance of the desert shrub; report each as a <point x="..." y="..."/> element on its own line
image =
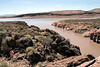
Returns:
<point x="68" y="41"/>
<point x="59" y="39"/>
<point x="34" y="27"/>
<point x="51" y="32"/>
<point x="21" y="28"/>
<point x="11" y="42"/>
<point x="8" y="38"/>
<point x="1" y="29"/>
<point x="17" y="36"/>
<point x="38" y="44"/>
<point x="4" y="46"/>
<point x="44" y="40"/>
<point x="29" y="50"/>
<point x="40" y="64"/>
<point x="2" y="35"/>
<point x="37" y="33"/>
<point x="59" y="56"/>
<point x="28" y="36"/>
<point x="3" y="64"/>
<point x="24" y="42"/>
<point x="29" y="33"/>
<point x="45" y="33"/>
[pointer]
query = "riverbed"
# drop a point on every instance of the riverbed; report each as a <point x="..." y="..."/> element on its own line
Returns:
<point x="86" y="45"/>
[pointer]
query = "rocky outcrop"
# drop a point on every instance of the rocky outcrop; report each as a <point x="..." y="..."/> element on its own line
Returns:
<point x="86" y="27"/>
<point x="95" y="36"/>
<point x="77" y="61"/>
<point x="19" y="42"/>
<point x="71" y="61"/>
<point x="92" y="63"/>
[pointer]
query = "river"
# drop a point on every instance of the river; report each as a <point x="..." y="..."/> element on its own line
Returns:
<point x="85" y="44"/>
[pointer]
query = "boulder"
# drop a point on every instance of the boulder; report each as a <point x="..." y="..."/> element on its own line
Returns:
<point x="71" y="61"/>
<point x="92" y="63"/>
<point x="87" y="34"/>
<point x="80" y="31"/>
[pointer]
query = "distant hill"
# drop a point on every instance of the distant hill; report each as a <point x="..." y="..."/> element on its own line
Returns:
<point x="64" y="13"/>
<point x="68" y="12"/>
<point x="95" y="10"/>
<point x="7" y="15"/>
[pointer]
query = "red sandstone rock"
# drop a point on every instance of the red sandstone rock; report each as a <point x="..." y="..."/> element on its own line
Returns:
<point x="71" y="61"/>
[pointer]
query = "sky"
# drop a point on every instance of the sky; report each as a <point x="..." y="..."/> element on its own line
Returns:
<point x="34" y="6"/>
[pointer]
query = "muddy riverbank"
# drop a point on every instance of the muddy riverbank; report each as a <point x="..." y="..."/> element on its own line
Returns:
<point x="87" y="27"/>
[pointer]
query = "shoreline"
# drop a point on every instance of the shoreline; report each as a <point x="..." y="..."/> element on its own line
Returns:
<point x="79" y="26"/>
<point x="59" y="17"/>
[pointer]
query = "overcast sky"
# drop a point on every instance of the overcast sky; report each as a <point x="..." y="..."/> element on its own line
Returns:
<point x="31" y="6"/>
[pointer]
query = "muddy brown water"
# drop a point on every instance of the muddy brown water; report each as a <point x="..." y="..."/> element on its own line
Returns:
<point x="86" y="45"/>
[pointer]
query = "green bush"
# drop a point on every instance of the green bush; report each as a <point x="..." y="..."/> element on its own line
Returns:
<point x="17" y="36"/>
<point x="59" y="56"/>
<point x="29" y="33"/>
<point x="42" y="64"/>
<point x="29" y="50"/>
<point x="45" y="33"/>
<point x="38" y="43"/>
<point x="44" y="40"/>
<point x="8" y="38"/>
<point x="28" y="36"/>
